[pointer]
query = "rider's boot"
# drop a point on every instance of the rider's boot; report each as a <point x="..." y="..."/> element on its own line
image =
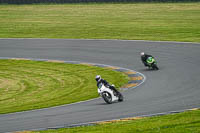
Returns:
<point x="115" y="91"/>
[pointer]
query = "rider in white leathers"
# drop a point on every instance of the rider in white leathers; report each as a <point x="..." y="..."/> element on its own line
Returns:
<point x="100" y="80"/>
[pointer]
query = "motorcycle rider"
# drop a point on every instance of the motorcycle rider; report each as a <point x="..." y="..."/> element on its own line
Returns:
<point x="103" y="81"/>
<point x="144" y="58"/>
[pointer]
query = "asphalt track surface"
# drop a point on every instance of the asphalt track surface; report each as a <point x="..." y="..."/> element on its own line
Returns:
<point x="174" y="87"/>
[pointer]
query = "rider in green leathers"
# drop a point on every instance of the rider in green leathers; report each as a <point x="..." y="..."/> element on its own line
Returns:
<point x="144" y="58"/>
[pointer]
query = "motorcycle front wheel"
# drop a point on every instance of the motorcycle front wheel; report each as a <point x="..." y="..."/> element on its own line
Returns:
<point x="155" y="67"/>
<point x="107" y="97"/>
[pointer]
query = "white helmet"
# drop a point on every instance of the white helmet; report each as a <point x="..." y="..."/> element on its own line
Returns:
<point x="98" y="77"/>
<point x="142" y="53"/>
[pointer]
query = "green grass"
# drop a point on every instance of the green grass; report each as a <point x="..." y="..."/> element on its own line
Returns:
<point x="136" y="21"/>
<point x="186" y="122"/>
<point x="27" y="85"/>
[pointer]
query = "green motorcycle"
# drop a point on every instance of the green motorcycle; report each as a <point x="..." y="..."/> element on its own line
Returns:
<point x="151" y="62"/>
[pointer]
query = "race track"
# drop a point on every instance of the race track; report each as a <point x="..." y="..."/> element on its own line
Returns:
<point x="174" y="87"/>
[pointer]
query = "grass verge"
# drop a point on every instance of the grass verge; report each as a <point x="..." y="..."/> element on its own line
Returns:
<point x="137" y="21"/>
<point x="27" y="85"/>
<point x="186" y="122"/>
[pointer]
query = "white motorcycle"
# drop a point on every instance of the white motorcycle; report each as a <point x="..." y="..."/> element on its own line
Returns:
<point x="109" y="95"/>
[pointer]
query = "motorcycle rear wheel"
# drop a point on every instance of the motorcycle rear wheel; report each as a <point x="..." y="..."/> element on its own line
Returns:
<point x="121" y="98"/>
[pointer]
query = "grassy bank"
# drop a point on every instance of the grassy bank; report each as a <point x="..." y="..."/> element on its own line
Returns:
<point x="27" y="85"/>
<point x="186" y="122"/>
<point x="139" y="21"/>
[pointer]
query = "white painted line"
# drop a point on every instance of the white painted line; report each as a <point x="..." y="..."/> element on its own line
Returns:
<point x="98" y="40"/>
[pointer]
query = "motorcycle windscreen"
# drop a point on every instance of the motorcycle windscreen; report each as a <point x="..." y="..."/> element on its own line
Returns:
<point x="100" y="85"/>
